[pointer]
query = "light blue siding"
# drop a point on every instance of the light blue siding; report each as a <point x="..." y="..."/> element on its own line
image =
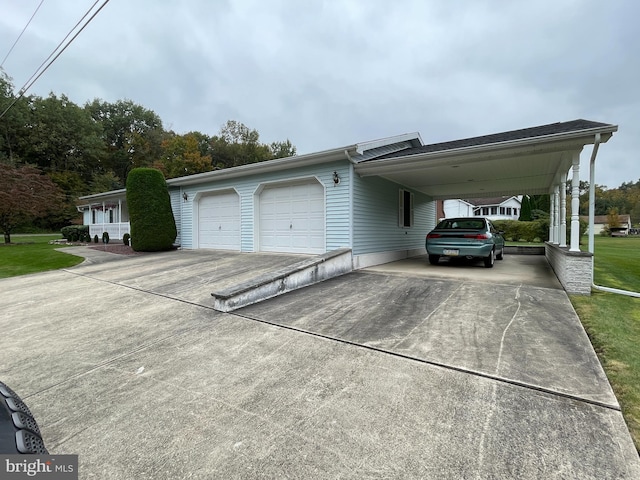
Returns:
<point x="176" y="206"/>
<point x="375" y="211"/>
<point x="337" y="216"/>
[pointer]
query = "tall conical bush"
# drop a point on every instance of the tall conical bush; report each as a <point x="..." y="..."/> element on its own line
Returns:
<point x="153" y="227"/>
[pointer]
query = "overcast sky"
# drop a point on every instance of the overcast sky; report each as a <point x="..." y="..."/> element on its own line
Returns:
<point x="330" y="73"/>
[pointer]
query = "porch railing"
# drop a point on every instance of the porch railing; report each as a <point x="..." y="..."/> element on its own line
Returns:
<point x="115" y="230"/>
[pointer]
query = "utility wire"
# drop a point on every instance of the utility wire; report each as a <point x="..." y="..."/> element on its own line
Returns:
<point x="18" y="39"/>
<point x="38" y="73"/>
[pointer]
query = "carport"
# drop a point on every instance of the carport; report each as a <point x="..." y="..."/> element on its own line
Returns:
<point x="531" y="161"/>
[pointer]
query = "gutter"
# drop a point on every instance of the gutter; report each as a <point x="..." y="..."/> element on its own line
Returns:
<point x="592" y="204"/>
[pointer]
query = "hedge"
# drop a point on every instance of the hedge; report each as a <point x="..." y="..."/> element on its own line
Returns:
<point x="76" y="233"/>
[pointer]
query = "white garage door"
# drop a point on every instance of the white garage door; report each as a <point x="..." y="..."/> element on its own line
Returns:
<point x="219" y="221"/>
<point x="292" y="218"/>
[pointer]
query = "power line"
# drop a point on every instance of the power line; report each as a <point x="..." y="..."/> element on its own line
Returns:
<point x="38" y="73"/>
<point x="17" y="39"/>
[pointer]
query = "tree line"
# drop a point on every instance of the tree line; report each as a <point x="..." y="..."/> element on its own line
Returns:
<point x="91" y="148"/>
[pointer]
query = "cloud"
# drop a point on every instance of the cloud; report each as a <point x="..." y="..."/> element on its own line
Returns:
<point x="330" y="73"/>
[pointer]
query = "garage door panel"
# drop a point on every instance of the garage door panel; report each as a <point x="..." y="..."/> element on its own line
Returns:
<point x="219" y="221"/>
<point x="292" y="218"/>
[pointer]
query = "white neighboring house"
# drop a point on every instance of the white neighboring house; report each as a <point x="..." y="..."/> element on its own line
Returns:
<point x="494" y="208"/>
<point x="601" y="221"/>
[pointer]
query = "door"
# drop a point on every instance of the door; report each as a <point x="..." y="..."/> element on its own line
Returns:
<point x="292" y="218"/>
<point x="219" y="221"/>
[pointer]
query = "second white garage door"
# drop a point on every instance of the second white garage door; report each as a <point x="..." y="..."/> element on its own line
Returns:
<point x="219" y="221"/>
<point x="292" y="218"/>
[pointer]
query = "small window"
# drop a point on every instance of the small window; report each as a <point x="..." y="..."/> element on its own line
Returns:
<point x="494" y="210"/>
<point x="485" y="210"/>
<point x="405" y="209"/>
<point x="476" y="212"/>
<point x="93" y="217"/>
<point x="501" y="210"/>
<point x="110" y="216"/>
<point x="508" y="210"/>
<point x="515" y="211"/>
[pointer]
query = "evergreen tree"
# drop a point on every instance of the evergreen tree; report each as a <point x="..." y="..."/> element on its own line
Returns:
<point x="153" y="227"/>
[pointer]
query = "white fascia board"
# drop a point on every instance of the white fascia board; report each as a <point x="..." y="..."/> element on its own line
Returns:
<point x="266" y="166"/>
<point x="98" y="197"/>
<point x="372" y="167"/>
<point x="405" y="137"/>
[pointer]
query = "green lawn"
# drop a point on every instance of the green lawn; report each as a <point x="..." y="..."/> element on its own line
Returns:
<point x="32" y="254"/>
<point x="613" y="322"/>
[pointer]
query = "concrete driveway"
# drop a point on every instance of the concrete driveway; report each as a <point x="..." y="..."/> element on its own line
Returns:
<point x="371" y="375"/>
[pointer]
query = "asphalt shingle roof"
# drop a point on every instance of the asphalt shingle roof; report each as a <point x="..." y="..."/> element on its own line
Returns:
<point x="532" y="132"/>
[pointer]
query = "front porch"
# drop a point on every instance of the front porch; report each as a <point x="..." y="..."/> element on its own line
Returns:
<point x="115" y="230"/>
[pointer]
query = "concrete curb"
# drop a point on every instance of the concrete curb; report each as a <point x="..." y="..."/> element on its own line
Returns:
<point x="299" y="275"/>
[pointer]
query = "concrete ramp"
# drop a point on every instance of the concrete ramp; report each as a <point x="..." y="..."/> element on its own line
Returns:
<point x="299" y="275"/>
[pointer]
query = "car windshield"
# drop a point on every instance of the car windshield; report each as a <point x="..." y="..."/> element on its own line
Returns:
<point x="461" y="223"/>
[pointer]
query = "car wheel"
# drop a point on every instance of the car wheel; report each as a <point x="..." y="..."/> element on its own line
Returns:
<point x="490" y="260"/>
<point x="433" y="259"/>
<point x="19" y="432"/>
<point x="500" y="256"/>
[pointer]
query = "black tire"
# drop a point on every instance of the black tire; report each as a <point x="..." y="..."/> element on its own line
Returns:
<point x="433" y="259"/>
<point x="19" y="432"/>
<point x="500" y="256"/>
<point x="490" y="260"/>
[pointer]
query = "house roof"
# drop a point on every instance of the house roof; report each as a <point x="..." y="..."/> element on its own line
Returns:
<point x="526" y="161"/>
<point x="521" y="134"/>
<point x="482" y="202"/>
<point x="604" y="219"/>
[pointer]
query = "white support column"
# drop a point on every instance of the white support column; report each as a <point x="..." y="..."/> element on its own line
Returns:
<point x="563" y="210"/>
<point x="552" y="218"/>
<point x="556" y="214"/>
<point x="575" y="204"/>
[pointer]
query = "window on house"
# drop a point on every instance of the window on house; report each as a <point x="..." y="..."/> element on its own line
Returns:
<point x="476" y="212"/>
<point x="515" y="211"/>
<point x="93" y="217"/>
<point x="501" y="210"/>
<point x="110" y="216"/>
<point x="405" y="208"/>
<point x="494" y="210"/>
<point x="485" y="210"/>
<point x="508" y="210"/>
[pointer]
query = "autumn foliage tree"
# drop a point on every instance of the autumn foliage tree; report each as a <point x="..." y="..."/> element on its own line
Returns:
<point x="25" y="195"/>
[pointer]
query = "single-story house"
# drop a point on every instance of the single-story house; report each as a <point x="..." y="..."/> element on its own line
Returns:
<point x="602" y="221"/>
<point x="494" y="208"/>
<point x="377" y="198"/>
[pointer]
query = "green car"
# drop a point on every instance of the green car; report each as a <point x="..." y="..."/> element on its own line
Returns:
<point x="467" y="237"/>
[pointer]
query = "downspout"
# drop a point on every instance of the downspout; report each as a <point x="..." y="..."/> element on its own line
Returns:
<point x="351" y="163"/>
<point x="592" y="207"/>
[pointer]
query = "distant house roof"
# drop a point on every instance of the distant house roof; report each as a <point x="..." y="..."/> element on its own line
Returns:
<point x="532" y="132"/>
<point x="603" y="219"/>
<point x="483" y="202"/>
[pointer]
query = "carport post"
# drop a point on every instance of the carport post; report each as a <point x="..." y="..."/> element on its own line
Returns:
<point x="575" y="204"/>
<point x="563" y="209"/>
<point x="552" y="219"/>
<point x="556" y="216"/>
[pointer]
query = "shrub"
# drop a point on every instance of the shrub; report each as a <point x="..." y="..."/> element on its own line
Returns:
<point x="125" y="239"/>
<point x="105" y="237"/>
<point x="517" y="231"/>
<point x="95" y="239"/>
<point x="73" y="233"/>
<point x="151" y="218"/>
